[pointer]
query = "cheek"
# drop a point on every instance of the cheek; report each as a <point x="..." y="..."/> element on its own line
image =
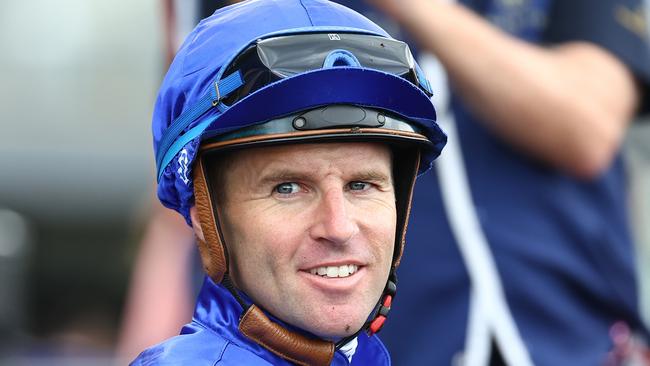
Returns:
<point x="386" y="245"/>
<point x="259" y="243"/>
<point x="382" y="230"/>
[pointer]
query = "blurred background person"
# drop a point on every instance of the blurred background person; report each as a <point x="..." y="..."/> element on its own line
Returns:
<point x="521" y="239"/>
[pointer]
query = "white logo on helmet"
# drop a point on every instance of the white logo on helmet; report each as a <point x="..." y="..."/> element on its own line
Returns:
<point x="183" y="161"/>
<point x="334" y="37"/>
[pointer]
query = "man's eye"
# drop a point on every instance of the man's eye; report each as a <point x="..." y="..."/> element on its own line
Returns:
<point x="358" y="186"/>
<point x="287" y="188"/>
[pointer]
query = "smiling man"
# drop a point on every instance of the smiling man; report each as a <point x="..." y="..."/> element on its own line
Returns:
<point x="289" y="135"/>
<point x="311" y="231"/>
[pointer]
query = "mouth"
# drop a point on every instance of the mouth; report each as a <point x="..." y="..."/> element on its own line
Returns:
<point x="336" y="278"/>
<point x="342" y="271"/>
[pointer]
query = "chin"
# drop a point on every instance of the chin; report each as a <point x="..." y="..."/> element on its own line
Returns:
<point x="339" y="321"/>
<point x="337" y="328"/>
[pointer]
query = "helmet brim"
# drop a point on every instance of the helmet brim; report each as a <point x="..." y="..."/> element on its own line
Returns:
<point x="341" y="85"/>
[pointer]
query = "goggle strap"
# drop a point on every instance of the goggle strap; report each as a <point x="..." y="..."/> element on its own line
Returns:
<point x="211" y="99"/>
<point x="178" y="145"/>
<point x="230" y="83"/>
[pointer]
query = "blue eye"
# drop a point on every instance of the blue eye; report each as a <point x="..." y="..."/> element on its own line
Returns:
<point x="287" y="188"/>
<point x="358" y="186"/>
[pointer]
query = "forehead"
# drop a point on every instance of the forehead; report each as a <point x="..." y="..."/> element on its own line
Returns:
<point x="313" y="157"/>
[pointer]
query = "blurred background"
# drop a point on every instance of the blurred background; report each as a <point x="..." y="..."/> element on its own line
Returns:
<point x="77" y="86"/>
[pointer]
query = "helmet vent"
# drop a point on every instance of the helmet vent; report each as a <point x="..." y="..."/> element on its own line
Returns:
<point x="336" y="116"/>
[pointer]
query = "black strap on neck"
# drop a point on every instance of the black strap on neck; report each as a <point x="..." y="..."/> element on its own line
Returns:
<point x="227" y="283"/>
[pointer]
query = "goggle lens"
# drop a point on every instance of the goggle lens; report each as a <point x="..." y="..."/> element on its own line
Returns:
<point x="269" y="60"/>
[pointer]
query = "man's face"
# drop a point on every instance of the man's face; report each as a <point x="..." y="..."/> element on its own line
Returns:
<point x="310" y="231"/>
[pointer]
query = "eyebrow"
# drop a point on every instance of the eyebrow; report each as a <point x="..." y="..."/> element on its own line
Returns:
<point x="284" y="175"/>
<point x="288" y="175"/>
<point x="373" y="176"/>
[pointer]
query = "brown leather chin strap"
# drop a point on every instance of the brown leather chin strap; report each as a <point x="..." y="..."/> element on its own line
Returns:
<point x="289" y="345"/>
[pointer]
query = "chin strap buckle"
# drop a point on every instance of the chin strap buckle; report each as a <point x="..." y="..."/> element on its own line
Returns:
<point x="384" y="306"/>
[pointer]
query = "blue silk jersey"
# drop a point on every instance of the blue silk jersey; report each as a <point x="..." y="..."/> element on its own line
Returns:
<point x="212" y="338"/>
<point x="561" y="248"/>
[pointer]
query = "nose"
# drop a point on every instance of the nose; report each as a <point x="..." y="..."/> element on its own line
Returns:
<point x="333" y="222"/>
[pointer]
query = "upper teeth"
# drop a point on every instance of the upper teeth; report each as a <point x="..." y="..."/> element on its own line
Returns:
<point x="335" y="271"/>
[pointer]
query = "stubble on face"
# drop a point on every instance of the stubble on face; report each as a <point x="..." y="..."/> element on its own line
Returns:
<point x="288" y="212"/>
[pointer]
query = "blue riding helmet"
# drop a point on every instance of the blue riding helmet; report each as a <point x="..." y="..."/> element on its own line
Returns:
<point x="193" y="101"/>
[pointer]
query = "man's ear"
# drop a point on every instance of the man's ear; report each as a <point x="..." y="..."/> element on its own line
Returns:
<point x="196" y="224"/>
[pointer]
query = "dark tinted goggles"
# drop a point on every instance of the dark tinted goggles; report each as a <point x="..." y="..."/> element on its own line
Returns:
<point x="269" y="60"/>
